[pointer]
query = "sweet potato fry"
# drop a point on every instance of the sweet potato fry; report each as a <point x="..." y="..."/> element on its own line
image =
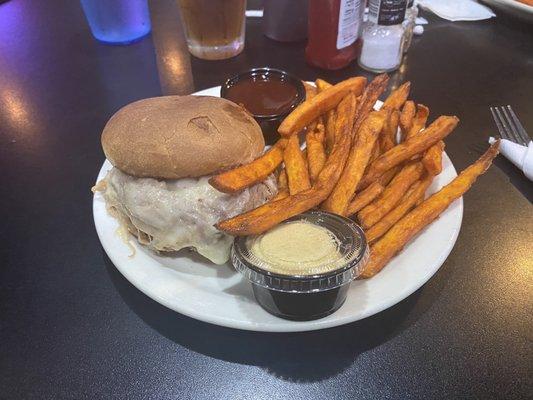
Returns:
<point x="389" y="175"/>
<point x="321" y="132"/>
<point x="398" y="97"/>
<point x="296" y="166"/>
<point x="268" y="215"/>
<point x="364" y="197"/>
<point x="406" y="118"/>
<point x="419" y="121"/>
<point x="330" y="129"/>
<point x="387" y="137"/>
<point x="282" y="179"/>
<point x="368" y="99"/>
<point x="360" y="152"/>
<point x="324" y="101"/>
<point x="249" y="174"/>
<point x="410" y="199"/>
<point x="345" y="115"/>
<point x="310" y="92"/>
<point x="432" y="158"/>
<point x="437" y="131"/>
<point x="376" y="151"/>
<point x="412" y="223"/>
<point x="334" y="166"/>
<point x="329" y="117"/>
<point x="283" y="186"/>
<point x="322" y="85"/>
<point x="316" y="154"/>
<point x="280" y="195"/>
<point x="391" y="196"/>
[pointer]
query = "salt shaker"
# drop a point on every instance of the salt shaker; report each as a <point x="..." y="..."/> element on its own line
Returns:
<point x="383" y="36"/>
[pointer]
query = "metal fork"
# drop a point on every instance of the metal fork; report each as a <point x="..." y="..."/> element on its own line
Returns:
<point x="509" y="125"/>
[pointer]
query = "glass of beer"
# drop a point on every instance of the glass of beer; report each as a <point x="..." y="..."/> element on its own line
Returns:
<point x="214" y="28"/>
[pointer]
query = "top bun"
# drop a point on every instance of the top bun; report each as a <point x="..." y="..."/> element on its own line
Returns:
<point x="174" y="137"/>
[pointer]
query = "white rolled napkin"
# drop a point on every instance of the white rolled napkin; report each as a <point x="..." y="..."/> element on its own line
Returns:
<point x="457" y="10"/>
<point x="519" y="155"/>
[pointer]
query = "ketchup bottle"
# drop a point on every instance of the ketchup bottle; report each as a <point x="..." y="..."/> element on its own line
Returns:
<point x="334" y="30"/>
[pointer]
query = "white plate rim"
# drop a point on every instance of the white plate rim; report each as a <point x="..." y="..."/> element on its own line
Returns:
<point x="282" y="325"/>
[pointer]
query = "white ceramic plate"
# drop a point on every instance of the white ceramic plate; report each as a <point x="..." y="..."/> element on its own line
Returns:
<point x="519" y="10"/>
<point x="194" y="287"/>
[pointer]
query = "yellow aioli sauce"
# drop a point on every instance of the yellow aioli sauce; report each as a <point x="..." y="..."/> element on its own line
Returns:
<point x="296" y="248"/>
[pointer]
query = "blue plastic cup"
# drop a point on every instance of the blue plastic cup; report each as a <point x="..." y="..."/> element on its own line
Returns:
<point x="117" y="21"/>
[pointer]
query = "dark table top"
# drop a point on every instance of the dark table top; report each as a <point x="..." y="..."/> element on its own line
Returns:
<point x="72" y="327"/>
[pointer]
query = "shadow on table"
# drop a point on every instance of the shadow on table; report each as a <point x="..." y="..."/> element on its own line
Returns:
<point x="301" y="357"/>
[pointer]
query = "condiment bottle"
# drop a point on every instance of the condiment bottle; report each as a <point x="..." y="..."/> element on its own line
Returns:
<point x="285" y="20"/>
<point x="383" y="36"/>
<point x="333" y="33"/>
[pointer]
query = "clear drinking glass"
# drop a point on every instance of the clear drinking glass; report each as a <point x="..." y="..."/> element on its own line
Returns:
<point x="214" y="28"/>
<point x="117" y="21"/>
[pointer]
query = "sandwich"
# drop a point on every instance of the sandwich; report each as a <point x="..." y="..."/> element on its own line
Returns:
<point x="163" y="151"/>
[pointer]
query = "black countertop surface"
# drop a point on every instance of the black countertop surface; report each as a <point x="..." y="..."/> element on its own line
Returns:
<point x="72" y="327"/>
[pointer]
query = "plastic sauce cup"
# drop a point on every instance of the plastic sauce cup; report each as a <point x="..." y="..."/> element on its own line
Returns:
<point x="306" y="297"/>
<point x="268" y="94"/>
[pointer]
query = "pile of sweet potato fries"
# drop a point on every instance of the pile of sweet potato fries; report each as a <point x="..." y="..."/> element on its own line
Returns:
<point x="354" y="165"/>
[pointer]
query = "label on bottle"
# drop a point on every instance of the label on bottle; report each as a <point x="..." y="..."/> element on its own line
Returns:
<point x="349" y="13"/>
<point x="386" y="12"/>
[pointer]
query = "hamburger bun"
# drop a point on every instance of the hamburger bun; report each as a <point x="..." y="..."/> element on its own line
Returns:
<point x="174" y="137"/>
